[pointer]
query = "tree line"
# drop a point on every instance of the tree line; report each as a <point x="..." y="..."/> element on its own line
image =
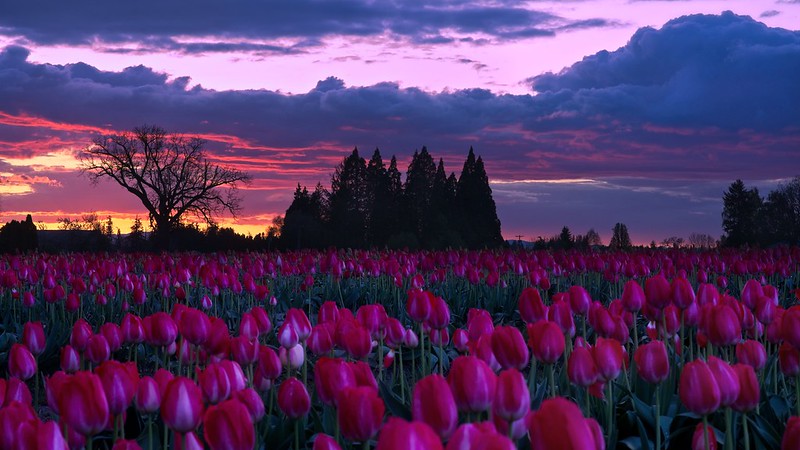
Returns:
<point x="369" y="204"/>
<point x="749" y="219"/>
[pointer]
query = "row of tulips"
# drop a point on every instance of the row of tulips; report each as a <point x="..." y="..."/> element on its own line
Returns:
<point x="577" y="351"/>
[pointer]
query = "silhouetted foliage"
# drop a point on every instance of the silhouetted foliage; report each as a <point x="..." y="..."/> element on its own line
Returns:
<point x="620" y="239"/>
<point x="19" y="237"/>
<point x="369" y="205"/>
<point x="168" y="173"/>
<point x="740" y="214"/>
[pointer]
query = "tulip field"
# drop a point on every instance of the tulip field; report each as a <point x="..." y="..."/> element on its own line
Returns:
<point x="505" y="349"/>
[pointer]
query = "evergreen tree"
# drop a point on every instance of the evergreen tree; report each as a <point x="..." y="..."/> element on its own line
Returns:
<point x="348" y="202"/>
<point x="480" y="226"/>
<point x="380" y="201"/>
<point x="620" y="240"/>
<point x="304" y="223"/>
<point x="740" y="214"/>
<point x="16" y="236"/>
<point x="419" y="193"/>
<point x="565" y="239"/>
<point x="779" y="215"/>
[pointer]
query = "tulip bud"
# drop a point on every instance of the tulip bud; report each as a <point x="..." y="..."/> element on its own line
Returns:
<point x="292" y="358"/>
<point x="512" y="399"/>
<point x="325" y="442"/>
<point x="119" y="383"/>
<point x="331" y="376"/>
<point x="546" y="341"/>
<point x="749" y="392"/>
<point x="70" y="359"/>
<point x="293" y="398"/>
<point x="699" y="390"/>
<point x="398" y="434"/>
<point x="700" y="435"/>
<point x="652" y="362"/>
<point x="81" y="332"/>
<point x="752" y="353"/>
<point x="360" y="411"/>
<point x="148" y="397"/>
<point x="508" y="347"/>
<point x="83" y="404"/>
<point x="433" y="403"/>
<point x="98" y="349"/>
<point x="33" y="337"/>
<point x="608" y="356"/>
<point x="727" y="380"/>
<point x="182" y="405"/>
<point x="21" y="363"/>
<point x="581" y="368"/>
<point x="473" y="384"/>
<point x="228" y="426"/>
<point x="253" y="402"/>
<point x="789" y="359"/>
<point x="559" y="423"/>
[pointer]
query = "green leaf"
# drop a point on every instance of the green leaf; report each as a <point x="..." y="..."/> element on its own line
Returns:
<point x="393" y="403"/>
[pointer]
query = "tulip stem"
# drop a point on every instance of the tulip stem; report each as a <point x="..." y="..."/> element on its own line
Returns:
<point x="297" y="434"/>
<point x="705" y="433"/>
<point x="551" y="377"/>
<point x="609" y="412"/>
<point x="150" y="431"/>
<point x="746" y="432"/>
<point x="728" y="428"/>
<point x="402" y="376"/>
<point x="797" y="392"/>
<point x="365" y="446"/>
<point x="658" y="416"/>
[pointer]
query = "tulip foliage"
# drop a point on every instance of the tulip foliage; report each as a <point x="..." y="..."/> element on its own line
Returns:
<point x="647" y="349"/>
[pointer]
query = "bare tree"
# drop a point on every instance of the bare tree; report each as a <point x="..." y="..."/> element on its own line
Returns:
<point x="168" y="173"/>
<point x="702" y="240"/>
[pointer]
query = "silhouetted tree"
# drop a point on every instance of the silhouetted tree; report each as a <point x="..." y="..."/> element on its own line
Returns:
<point x="480" y="226"/>
<point x="382" y="205"/>
<point x="779" y="216"/>
<point x="304" y="225"/>
<point x="16" y="236"/>
<point x="418" y="192"/>
<point x="620" y="240"/>
<point x="593" y="238"/>
<point x="348" y="202"/>
<point x="168" y="173"/>
<point x="740" y="215"/>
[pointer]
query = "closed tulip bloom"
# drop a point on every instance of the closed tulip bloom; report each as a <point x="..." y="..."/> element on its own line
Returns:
<point x="292" y="358"/>
<point x="581" y="368"/>
<point x="418" y="305"/>
<point x="433" y="403"/>
<point x="372" y="317"/>
<point x="244" y="351"/>
<point x="356" y="341"/>
<point x="508" y="347"/>
<point x="148" y="397"/>
<point x="360" y="413"/>
<point x="473" y="384"/>
<point x="559" y="424"/>
<point x="749" y="392"/>
<point x="83" y="403"/>
<point x="516" y="429"/>
<point x="657" y="292"/>
<point x="214" y="383"/>
<point x="609" y="357"/>
<point x="481" y="435"/>
<point x="750" y="293"/>
<point x="325" y="442"/>
<point x="288" y="336"/>
<point x="17" y="390"/>
<point x="395" y="333"/>
<point x="113" y="335"/>
<point x="331" y="376"/>
<point x="483" y="350"/>
<point x="723" y="326"/>
<point x="293" y="398"/>
<point x="195" y="326"/>
<point x="70" y="359"/>
<point x="187" y="441"/>
<point x="248" y="327"/>
<point x="789" y="359"/>
<point x="461" y="340"/>
<point x="698" y="388"/>
<point x="363" y="374"/>
<point x="182" y="405"/>
<point x="561" y="314"/>
<point x="160" y="330"/>
<point x="790" y="326"/>
<point x="766" y="310"/>
<point x="652" y="362"/>
<point x="399" y="434"/>
<point x="269" y="362"/>
<point x="479" y="322"/>
<point x="791" y="437"/>
<point x="546" y="341"/>
<point x="727" y="380"/>
<point x="530" y="305"/>
<point x="633" y="296"/>
<point x="162" y="378"/>
<point x="440" y="314"/>
<point x="52" y="387"/>
<point x="228" y="426"/>
<point x="12" y="418"/>
<point x="33" y="337"/>
<point x="81" y="332"/>
<point x="35" y="435"/>
<point x="699" y="438"/>
<point x="132" y="329"/>
<point x="579" y="300"/>
<point x="328" y="312"/>
<point x="512" y="400"/>
<point x="119" y="383"/>
<point x="255" y="405"/>
<point x="235" y="374"/>
<point x="262" y="320"/>
<point x="682" y="293"/>
<point x="752" y="353"/>
<point x="21" y="363"/>
<point x="320" y="341"/>
<point x="98" y="349"/>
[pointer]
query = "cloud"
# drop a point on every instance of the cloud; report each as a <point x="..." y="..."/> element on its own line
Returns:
<point x="705" y="97"/>
<point x="725" y="71"/>
<point x="770" y="13"/>
<point x="271" y="27"/>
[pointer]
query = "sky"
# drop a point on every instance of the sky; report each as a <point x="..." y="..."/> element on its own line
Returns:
<point x="586" y="113"/>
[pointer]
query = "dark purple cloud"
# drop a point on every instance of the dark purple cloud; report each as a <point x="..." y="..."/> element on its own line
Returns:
<point x="153" y="25"/>
<point x="710" y="98"/>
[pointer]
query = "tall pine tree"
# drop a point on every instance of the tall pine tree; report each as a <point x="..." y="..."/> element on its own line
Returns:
<point x="480" y="226"/>
<point x="419" y="193"/>
<point x="348" y="202"/>
<point x="740" y="214"/>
